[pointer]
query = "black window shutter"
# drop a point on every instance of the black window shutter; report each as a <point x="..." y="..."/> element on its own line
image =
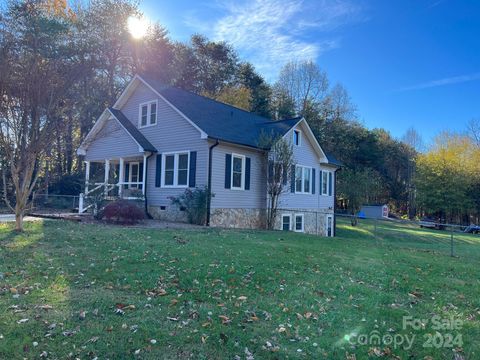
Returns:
<point x="330" y="183"/>
<point x="158" y="171"/>
<point x="313" y="181"/>
<point x="320" y="188"/>
<point x="292" y="185"/>
<point x="270" y="170"/>
<point x="228" y="170"/>
<point x="285" y="175"/>
<point x="193" y="169"/>
<point x="247" y="173"/>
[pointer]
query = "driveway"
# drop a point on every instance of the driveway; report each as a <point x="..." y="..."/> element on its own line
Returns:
<point x="11" y="218"/>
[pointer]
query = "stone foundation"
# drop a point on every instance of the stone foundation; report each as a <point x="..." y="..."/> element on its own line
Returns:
<point x="238" y="218"/>
<point x="314" y="222"/>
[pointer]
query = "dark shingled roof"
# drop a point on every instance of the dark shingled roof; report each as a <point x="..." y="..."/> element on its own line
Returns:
<point x="332" y="160"/>
<point x="221" y="121"/>
<point x="132" y="130"/>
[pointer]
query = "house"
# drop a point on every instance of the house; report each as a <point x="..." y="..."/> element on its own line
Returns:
<point x="157" y="140"/>
<point x="374" y="211"/>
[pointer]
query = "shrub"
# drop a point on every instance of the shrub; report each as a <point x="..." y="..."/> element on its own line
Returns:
<point x="194" y="203"/>
<point x="123" y="212"/>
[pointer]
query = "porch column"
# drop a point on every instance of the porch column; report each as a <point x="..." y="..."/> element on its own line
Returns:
<point x="121" y="175"/>
<point x="87" y="176"/>
<point x="107" y="173"/>
<point x="144" y="173"/>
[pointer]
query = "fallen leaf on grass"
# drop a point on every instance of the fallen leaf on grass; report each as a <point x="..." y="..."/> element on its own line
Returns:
<point x="69" y="333"/>
<point x="415" y="294"/>
<point x="93" y="339"/>
<point x="225" y="319"/>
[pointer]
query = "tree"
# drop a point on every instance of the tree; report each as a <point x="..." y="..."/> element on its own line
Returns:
<point x="204" y="66"/>
<point x="413" y="139"/>
<point x="283" y="105"/>
<point x="446" y="175"/>
<point x="38" y="65"/>
<point x="473" y="131"/>
<point x="238" y="96"/>
<point x="260" y="91"/>
<point x="280" y="162"/>
<point x="302" y="82"/>
<point x="358" y="187"/>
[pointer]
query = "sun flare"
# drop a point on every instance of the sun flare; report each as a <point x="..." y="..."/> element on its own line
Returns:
<point x="137" y="27"/>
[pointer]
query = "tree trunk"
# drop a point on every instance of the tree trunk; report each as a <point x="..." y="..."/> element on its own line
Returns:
<point x="18" y="220"/>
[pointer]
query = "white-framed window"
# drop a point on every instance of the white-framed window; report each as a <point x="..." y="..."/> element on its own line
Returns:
<point x="238" y="172"/>
<point x="148" y="114"/>
<point x="175" y="169"/>
<point x="303" y="179"/>
<point x="329" y="225"/>
<point x="298" y="225"/>
<point x="297" y="137"/>
<point x="327" y="183"/>
<point x="287" y="222"/>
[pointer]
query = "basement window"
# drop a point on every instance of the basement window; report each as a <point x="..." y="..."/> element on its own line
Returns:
<point x="299" y="223"/>
<point x="286" y="222"/>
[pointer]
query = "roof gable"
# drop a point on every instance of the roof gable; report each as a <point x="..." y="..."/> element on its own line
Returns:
<point x="135" y="134"/>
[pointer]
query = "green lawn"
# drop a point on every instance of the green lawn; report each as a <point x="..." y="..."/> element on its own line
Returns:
<point x="110" y="292"/>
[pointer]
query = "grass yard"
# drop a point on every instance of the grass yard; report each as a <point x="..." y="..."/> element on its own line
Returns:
<point x="71" y="290"/>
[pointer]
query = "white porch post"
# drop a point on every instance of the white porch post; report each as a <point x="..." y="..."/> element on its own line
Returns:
<point x="121" y="175"/>
<point x="87" y="175"/>
<point x="144" y="173"/>
<point x="107" y="173"/>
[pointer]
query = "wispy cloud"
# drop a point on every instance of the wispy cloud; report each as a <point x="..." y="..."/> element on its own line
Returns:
<point x="443" y="82"/>
<point x="435" y="4"/>
<point x="269" y="33"/>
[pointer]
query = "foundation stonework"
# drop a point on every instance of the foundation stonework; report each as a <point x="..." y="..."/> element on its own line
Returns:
<point x="314" y="222"/>
<point x="238" y="218"/>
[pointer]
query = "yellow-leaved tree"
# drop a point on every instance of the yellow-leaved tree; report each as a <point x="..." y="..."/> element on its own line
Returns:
<point x="447" y="175"/>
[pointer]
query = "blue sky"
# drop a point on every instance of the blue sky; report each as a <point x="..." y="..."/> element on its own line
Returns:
<point x="405" y="63"/>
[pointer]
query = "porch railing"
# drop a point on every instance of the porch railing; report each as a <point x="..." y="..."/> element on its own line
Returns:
<point x="104" y="191"/>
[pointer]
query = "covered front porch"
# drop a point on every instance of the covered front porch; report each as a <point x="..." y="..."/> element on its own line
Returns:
<point x="115" y="178"/>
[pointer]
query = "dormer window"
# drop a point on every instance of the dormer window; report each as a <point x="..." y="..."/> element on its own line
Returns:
<point x="148" y="114"/>
<point x="297" y="134"/>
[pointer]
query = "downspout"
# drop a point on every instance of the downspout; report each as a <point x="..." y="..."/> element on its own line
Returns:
<point x="209" y="186"/>
<point x="335" y="203"/>
<point x="145" y="182"/>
